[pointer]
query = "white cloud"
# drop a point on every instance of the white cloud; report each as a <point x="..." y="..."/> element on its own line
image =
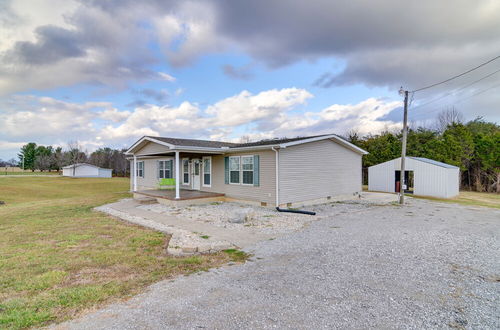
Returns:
<point x="166" y="76"/>
<point x="264" y="115"/>
<point x="245" y="107"/>
<point x="114" y="115"/>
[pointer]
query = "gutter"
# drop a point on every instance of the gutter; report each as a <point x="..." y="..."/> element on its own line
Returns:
<point x="277" y="164"/>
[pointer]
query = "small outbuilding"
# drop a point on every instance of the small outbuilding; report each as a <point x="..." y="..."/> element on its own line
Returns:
<point x="423" y="176"/>
<point x="84" y="170"/>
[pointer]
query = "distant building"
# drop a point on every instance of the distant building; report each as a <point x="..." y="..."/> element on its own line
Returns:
<point x="423" y="176"/>
<point x="83" y="170"/>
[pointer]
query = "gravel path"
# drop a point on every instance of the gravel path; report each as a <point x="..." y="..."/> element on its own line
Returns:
<point x="427" y="265"/>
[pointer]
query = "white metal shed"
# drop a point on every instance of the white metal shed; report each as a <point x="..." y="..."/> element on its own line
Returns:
<point x="84" y="170"/>
<point x="423" y="176"/>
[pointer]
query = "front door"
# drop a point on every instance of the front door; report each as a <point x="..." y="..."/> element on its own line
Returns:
<point x="196" y="168"/>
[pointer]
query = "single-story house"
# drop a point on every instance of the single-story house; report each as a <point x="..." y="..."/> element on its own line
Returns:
<point x="275" y="172"/>
<point x="423" y="176"/>
<point x="84" y="170"/>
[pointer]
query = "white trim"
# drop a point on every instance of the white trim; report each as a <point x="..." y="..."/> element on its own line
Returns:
<point x="188" y="172"/>
<point x="319" y="138"/>
<point x="241" y="170"/>
<point x="137" y="168"/>
<point x="203" y="171"/>
<point x="147" y="138"/>
<point x="224" y="150"/>
<point x="177" y="183"/>
<point x="193" y="175"/>
<point x="165" y="160"/>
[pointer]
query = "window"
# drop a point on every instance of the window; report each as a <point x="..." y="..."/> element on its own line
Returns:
<point x="247" y="169"/>
<point x="207" y="171"/>
<point x="165" y="169"/>
<point x="140" y="169"/>
<point x="185" y="171"/>
<point x="234" y="169"/>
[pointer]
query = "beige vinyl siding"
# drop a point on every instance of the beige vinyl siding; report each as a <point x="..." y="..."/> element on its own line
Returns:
<point x="150" y="180"/>
<point x="152" y="148"/>
<point x="317" y="170"/>
<point x="265" y="192"/>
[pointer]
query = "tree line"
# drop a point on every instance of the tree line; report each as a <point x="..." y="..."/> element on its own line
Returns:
<point x="473" y="146"/>
<point x="47" y="158"/>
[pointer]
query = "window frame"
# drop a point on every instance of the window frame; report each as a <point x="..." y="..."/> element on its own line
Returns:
<point x="184" y="172"/>
<point x="164" y="169"/>
<point x="242" y="170"/>
<point x="140" y="167"/>
<point x="209" y="158"/>
<point x="239" y="169"/>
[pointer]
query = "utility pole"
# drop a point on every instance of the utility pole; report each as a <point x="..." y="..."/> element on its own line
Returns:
<point x="403" y="150"/>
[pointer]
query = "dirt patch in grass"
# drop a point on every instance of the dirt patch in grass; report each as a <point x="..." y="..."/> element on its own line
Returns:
<point x="58" y="258"/>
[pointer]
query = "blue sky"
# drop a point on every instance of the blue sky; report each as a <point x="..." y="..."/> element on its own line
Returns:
<point x="105" y="73"/>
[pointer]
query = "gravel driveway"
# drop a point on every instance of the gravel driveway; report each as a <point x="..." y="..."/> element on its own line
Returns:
<point x="427" y="265"/>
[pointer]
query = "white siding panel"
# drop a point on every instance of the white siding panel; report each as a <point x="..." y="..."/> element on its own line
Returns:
<point x="150" y="179"/>
<point x="152" y="148"/>
<point x="317" y="170"/>
<point x="265" y="192"/>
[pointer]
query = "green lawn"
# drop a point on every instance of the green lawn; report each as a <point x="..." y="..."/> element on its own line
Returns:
<point x="3" y="172"/>
<point x="59" y="258"/>
<point x="472" y="198"/>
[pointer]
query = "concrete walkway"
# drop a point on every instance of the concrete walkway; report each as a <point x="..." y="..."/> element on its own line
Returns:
<point x="237" y="238"/>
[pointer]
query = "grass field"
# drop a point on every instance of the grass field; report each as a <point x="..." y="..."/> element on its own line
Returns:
<point x="59" y="258"/>
<point x="471" y="198"/>
<point x="29" y="173"/>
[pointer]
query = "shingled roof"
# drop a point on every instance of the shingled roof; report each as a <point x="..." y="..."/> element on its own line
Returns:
<point x="219" y="144"/>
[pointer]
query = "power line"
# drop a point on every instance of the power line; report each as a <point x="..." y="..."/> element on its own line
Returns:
<point x="455" y="77"/>
<point x="456" y="90"/>
<point x="461" y="100"/>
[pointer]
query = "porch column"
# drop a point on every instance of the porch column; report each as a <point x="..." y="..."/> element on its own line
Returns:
<point x="177" y="183"/>
<point x="135" y="173"/>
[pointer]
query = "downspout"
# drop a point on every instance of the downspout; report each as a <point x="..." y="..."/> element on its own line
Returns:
<point x="135" y="173"/>
<point x="277" y="175"/>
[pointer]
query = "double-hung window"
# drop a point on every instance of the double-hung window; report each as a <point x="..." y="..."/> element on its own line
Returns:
<point x="140" y="169"/>
<point x="247" y="167"/>
<point x="185" y="171"/>
<point x="207" y="171"/>
<point x="234" y="169"/>
<point x="165" y="169"/>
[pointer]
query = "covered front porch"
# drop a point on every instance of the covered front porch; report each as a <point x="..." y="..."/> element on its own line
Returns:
<point x="190" y="170"/>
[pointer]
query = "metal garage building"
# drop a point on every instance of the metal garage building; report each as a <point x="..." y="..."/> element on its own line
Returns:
<point x="84" y="170"/>
<point x="423" y="176"/>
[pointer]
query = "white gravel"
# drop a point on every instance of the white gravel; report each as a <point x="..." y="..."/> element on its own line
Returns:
<point x="265" y="219"/>
<point x="423" y="266"/>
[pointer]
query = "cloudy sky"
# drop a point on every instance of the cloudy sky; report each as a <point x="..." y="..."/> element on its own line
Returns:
<point x="107" y="72"/>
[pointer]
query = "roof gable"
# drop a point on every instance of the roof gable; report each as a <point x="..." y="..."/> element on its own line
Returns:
<point x="173" y="143"/>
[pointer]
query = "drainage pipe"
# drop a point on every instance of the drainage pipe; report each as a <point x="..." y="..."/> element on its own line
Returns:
<point x="295" y="211"/>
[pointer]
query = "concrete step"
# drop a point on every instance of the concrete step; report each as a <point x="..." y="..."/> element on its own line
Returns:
<point x="146" y="200"/>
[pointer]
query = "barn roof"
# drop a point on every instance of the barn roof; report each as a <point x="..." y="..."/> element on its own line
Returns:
<point x="433" y="162"/>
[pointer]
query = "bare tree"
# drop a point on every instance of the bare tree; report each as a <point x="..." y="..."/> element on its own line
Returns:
<point x="448" y="117"/>
<point x="244" y="139"/>
<point x="75" y="154"/>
